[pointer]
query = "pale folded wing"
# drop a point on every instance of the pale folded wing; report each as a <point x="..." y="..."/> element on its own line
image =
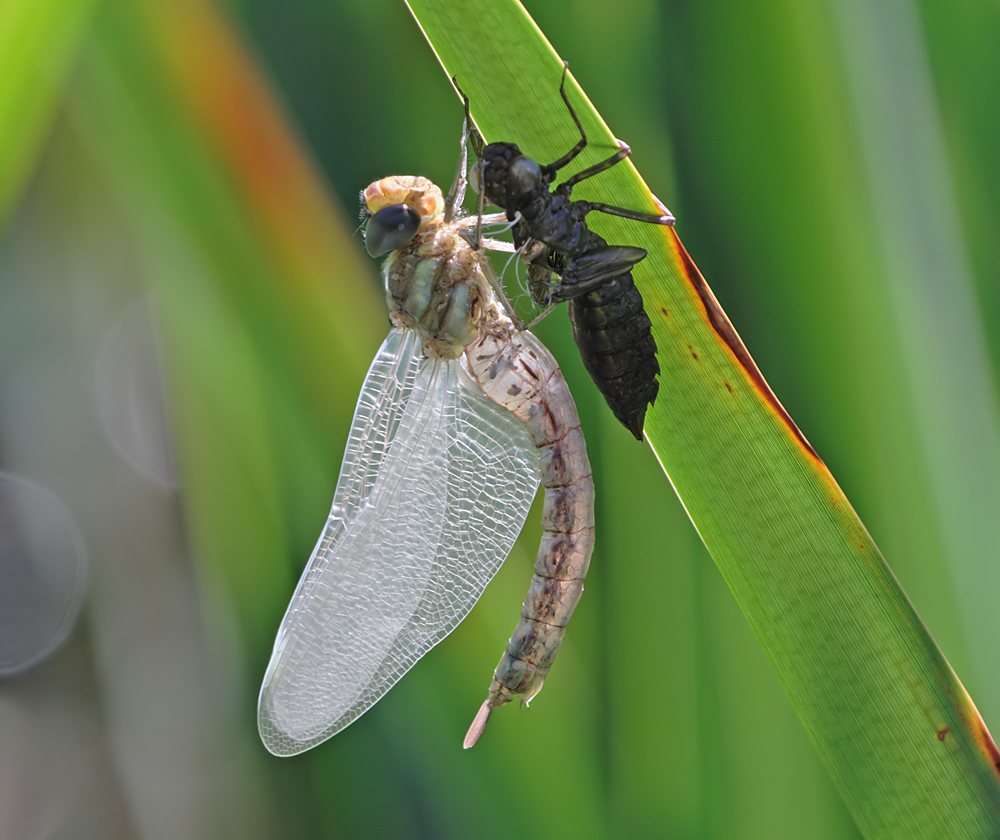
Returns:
<point x="434" y="489"/>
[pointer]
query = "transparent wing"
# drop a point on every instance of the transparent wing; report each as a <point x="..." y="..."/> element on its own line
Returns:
<point x="434" y="489"/>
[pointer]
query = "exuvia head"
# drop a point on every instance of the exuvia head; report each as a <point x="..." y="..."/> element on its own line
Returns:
<point x="524" y="180"/>
<point x="508" y="178"/>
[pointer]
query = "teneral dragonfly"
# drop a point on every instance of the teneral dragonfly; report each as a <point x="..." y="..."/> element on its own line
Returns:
<point x="459" y="416"/>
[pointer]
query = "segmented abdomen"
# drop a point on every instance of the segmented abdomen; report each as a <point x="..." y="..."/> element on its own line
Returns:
<point x="519" y="374"/>
<point x="610" y="324"/>
<point x="616" y="343"/>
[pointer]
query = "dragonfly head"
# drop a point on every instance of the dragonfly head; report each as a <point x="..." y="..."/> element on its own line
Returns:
<point x="400" y="206"/>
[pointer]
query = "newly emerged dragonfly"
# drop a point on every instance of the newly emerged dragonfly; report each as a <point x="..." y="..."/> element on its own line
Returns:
<point x="569" y="262"/>
<point x="460" y="415"/>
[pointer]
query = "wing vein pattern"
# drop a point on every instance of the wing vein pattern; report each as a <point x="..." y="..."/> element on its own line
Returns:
<point x="435" y="486"/>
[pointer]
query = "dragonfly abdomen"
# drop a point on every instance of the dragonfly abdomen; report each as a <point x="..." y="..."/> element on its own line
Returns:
<point x="519" y="374"/>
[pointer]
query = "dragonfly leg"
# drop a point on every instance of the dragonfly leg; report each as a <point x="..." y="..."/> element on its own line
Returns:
<point x="475" y="137"/>
<point x="480" y="242"/>
<point x="489" y="220"/>
<point x="501" y="295"/>
<point x="541" y="316"/>
<point x="456" y="195"/>
<point x="549" y="171"/>
<point x="477" y="142"/>
<point x="652" y="218"/>
<point x="566" y="187"/>
<point x="488" y="243"/>
<point x="498" y="245"/>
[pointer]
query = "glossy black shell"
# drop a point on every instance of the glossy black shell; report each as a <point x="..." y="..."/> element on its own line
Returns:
<point x="610" y="324"/>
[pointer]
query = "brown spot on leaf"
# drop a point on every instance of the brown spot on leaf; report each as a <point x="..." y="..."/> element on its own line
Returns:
<point x="943" y="733"/>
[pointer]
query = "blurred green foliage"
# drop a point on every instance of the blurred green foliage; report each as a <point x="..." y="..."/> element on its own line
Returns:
<point x="773" y="134"/>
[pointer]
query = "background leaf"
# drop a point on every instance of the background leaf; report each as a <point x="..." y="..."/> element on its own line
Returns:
<point x="39" y="39"/>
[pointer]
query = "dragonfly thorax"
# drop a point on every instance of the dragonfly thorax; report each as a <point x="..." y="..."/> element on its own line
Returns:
<point x="436" y="286"/>
<point x="434" y="283"/>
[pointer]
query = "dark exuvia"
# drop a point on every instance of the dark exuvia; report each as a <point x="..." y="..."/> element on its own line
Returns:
<point x="569" y="262"/>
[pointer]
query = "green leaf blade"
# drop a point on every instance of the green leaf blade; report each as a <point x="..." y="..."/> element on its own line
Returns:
<point x="889" y="718"/>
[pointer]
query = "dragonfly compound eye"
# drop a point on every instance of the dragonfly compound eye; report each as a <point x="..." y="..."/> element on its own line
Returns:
<point x="524" y="179"/>
<point x="390" y="229"/>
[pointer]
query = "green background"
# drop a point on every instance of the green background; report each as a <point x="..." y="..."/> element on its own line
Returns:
<point x="833" y="170"/>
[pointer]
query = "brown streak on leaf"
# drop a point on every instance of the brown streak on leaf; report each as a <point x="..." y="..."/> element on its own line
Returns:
<point x="725" y="330"/>
<point x="977" y="727"/>
<point x="985" y="741"/>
